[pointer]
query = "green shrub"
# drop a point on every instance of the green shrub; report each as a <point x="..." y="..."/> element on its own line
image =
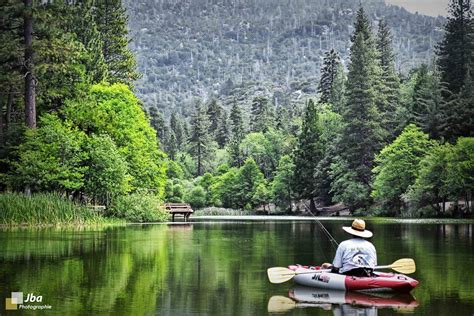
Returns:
<point x="138" y="207"/>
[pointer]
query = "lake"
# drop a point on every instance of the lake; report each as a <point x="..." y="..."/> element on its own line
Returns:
<point x="219" y="268"/>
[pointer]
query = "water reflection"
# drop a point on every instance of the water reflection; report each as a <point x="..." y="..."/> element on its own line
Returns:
<point x="340" y="302"/>
<point x="219" y="268"/>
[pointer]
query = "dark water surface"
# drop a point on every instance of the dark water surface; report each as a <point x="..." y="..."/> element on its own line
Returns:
<point x="219" y="268"/>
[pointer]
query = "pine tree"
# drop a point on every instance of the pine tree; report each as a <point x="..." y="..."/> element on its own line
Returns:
<point x="261" y="115"/>
<point x="222" y="135"/>
<point x="200" y="139"/>
<point x="429" y="107"/>
<point x="307" y="155"/>
<point x="83" y="25"/>
<point x="329" y="70"/>
<point x="455" y="52"/>
<point x="236" y="123"/>
<point x="362" y="136"/>
<point x="176" y="125"/>
<point x="29" y="66"/>
<point x="111" y="21"/>
<point x="338" y="90"/>
<point x="214" y="112"/>
<point x="237" y="134"/>
<point x="389" y="83"/>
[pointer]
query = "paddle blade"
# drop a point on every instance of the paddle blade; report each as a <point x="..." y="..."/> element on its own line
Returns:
<point x="280" y="274"/>
<point x="405" y="266"/>
<point x="280" y="304"/>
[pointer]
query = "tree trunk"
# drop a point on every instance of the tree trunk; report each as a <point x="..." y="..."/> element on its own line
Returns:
<point x="2" y="123"/>
<point x="30" y="80"/>
<point x="8" y="114"/>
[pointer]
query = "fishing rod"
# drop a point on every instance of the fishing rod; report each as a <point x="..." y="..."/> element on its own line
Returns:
<point x="328" y="234"/>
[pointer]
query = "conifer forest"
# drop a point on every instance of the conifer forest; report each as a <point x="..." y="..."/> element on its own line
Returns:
<point x="275" y="107"/>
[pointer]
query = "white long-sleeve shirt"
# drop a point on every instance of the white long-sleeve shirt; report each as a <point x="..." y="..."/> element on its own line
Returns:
<point x="355" y="253"/>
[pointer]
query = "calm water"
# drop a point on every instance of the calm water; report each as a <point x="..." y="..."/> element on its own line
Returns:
<point x="220" y="268"/>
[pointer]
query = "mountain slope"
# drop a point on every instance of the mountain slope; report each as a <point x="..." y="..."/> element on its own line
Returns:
<point x="235" y="49"/>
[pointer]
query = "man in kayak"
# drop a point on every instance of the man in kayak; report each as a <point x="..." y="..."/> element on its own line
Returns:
<point x="355" y="256"/>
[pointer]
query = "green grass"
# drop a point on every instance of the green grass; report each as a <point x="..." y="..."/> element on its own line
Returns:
<point x="45" y="209"/>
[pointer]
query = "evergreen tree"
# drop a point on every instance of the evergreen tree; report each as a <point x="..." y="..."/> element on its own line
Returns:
<point x="362" y="136"/>
<point x="460" y="118"/>
<point x="282" y="190"/>
<point x="329" y="70"/>
<point x="338" y="90"/>
<point x="83" y="25"/>
<point x="429" y="109"/>
<point x="111" y="21"/>
<point x="389" y="83"/>
<point x="176" y="126"/>
<point x="29" y="65"/>
<point x="307" y="155"/>
<point x="261" y="115"/>
<point x="214" y="112"/>
<point x="236" y="123"/>
<point x="237" y="134"/>
<point x="200" y="138"/>
<point x="222" y="135"/>
<point x="455" y="52"/>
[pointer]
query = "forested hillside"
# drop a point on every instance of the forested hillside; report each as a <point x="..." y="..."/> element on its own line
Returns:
<point x="237" y="49"/>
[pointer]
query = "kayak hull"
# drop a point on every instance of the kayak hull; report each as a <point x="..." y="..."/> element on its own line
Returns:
<point x="381" y="282"/>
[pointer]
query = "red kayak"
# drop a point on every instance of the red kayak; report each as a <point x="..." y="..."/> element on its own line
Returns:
<point x="379" y="282"/>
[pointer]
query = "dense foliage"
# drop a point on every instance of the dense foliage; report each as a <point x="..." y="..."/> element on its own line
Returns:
<point x="251" y="129"/>
<point x="361" y="142"/>
<point x="73" y="132"/>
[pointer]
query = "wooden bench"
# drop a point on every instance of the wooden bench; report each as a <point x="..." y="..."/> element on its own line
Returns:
<point x="179" y="208"/>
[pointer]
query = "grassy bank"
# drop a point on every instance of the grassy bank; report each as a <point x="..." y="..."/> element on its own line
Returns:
<point x="45" y="209"/>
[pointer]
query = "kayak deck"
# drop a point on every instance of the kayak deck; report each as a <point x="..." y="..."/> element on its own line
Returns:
<point x="380" y="282"/>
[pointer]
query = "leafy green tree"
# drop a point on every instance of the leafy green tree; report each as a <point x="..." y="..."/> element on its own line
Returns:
<point x="307" y="154"/>
<point x="249" y="178"/>
<point x="226" y="188"/>
<point x="397" y="168"/>
<point x="196" y="197"/>
<point x="106" y="175"/>
<point x="51" y="158"/>
<point x="261" y="196"/>
<point x="111" y="20"/>
<point x="331" y="62"/>
<point x="460" y="175"/>
<point x="282" y="190"/>
<point x="331" y="126"/>
<point x="114" y="110"/>
<point x="446" y="175"/>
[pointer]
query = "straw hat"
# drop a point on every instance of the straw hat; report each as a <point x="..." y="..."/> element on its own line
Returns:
<point x="358" y="229"/>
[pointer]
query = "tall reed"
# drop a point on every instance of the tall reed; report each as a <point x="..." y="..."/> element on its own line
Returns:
<point x="44" y="209"/>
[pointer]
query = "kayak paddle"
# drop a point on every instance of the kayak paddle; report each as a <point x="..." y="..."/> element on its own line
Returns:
<point x="280" y="274"/>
